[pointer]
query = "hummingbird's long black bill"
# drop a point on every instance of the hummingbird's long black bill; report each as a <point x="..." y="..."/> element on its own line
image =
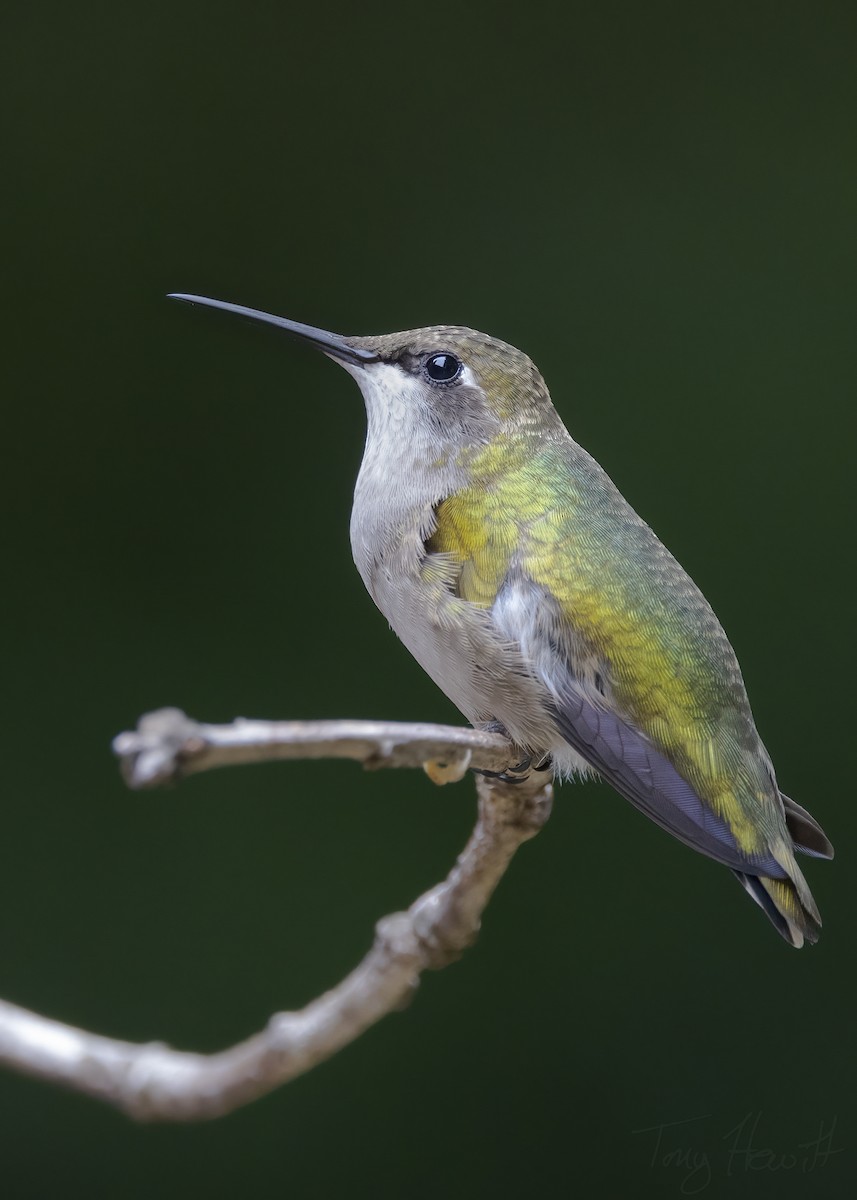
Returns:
<point x="330" y="343"/>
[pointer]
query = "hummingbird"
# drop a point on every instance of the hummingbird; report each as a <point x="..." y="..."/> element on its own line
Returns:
<point x="532" y="593"/>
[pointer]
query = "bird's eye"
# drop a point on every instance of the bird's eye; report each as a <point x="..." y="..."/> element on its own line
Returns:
<point x="442" y="368"/>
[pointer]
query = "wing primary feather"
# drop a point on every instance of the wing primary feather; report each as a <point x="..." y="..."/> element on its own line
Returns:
<point x="644" y="776"/>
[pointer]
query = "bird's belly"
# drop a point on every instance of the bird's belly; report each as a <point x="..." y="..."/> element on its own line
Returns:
<point x="438" y="640"/>
<point x="484" y="674"/>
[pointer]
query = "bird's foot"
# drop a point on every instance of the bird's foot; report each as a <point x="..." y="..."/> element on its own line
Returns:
<point x="517" y="774"/>
<point x="521" y="770"/>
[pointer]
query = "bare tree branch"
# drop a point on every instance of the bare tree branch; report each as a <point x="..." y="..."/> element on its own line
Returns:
<point x="154" y="1082"/>
<point x="167" y="745"/>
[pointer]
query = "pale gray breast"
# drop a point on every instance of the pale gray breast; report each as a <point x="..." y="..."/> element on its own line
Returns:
<point x="478" y="662"/>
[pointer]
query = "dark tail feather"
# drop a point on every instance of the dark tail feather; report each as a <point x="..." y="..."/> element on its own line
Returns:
<point x="794" y="918"/>
<point x="807" y="834"/>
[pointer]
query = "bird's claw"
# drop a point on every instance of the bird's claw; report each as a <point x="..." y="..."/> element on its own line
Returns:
<point x="520" y="772"/>
<point x="510" y="775"/>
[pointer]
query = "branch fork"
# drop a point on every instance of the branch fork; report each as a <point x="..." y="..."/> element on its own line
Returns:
<point x="155" y="1082"/>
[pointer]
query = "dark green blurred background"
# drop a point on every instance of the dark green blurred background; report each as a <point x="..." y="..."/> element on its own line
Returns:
<point x="658" y="203"/>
